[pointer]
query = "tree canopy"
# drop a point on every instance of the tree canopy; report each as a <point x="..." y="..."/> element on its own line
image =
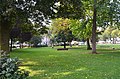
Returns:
<point x="15" y="13"/>
<point x="61" y="30"/>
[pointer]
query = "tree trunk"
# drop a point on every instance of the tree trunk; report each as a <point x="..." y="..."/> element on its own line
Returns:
<point x="65" y="45"/>
<point x="11" y="44"/>
<point x="4" y="37"/>
<point x="94" y="30"/>
<point x="113" y="40"/>
<point x="70" y="44"/>
<point x="88" y="44"/>
<point x="21" y="45"/>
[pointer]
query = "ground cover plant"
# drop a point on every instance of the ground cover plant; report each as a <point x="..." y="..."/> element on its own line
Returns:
<point x="75" y="63"/>
<point x="9" y="68"/>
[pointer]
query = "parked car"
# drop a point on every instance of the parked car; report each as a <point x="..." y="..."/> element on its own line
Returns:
<point x="16" y="45"/>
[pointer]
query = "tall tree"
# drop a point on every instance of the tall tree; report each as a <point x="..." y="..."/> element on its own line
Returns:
<point x="14" y="33"/>
<point x="60" y="29"/>
<point x="16" y="12"/>
<point x="105" y="12"/>
<point x="111" y="33"/>
<point x="94" y="29"/>
<point x="82" y="29"/>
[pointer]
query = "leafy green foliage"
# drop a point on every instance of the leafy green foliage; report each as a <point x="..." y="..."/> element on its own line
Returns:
<point x="81" y="29"/>
<point x="110" y="33"/>
<point x="9" y="69"/>
<point x="69" y="9"/>
<point x="61" y="30"/>
<point x="108" y="13"/>
<point x="59" y="24"/>
<point x="15" y="32"/>
<point x="35" y="40"/>
<point x="64" y="36"/>
<point x="18" y="12"/>
<point x="26" y="36"/>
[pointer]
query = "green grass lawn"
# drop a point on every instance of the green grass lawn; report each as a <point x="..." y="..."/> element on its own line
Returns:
<point x="76" y="63"/>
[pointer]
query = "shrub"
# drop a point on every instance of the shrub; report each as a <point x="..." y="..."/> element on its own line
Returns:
<point x="35" y="40"/>
<point x="9" y="69"/>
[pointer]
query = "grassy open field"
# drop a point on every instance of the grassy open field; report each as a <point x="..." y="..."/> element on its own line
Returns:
<point x="76" y="63"/>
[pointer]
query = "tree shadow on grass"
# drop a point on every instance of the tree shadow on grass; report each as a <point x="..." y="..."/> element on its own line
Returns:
<point x="109" y="52"/>
<point x="28" y="50"/>
<point x="77" y="48"/>
<point x="21" y="51"/>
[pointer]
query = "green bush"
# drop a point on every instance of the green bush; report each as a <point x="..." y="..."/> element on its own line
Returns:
<point x="35" y="40"/>
<point x="9" y="69"/>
